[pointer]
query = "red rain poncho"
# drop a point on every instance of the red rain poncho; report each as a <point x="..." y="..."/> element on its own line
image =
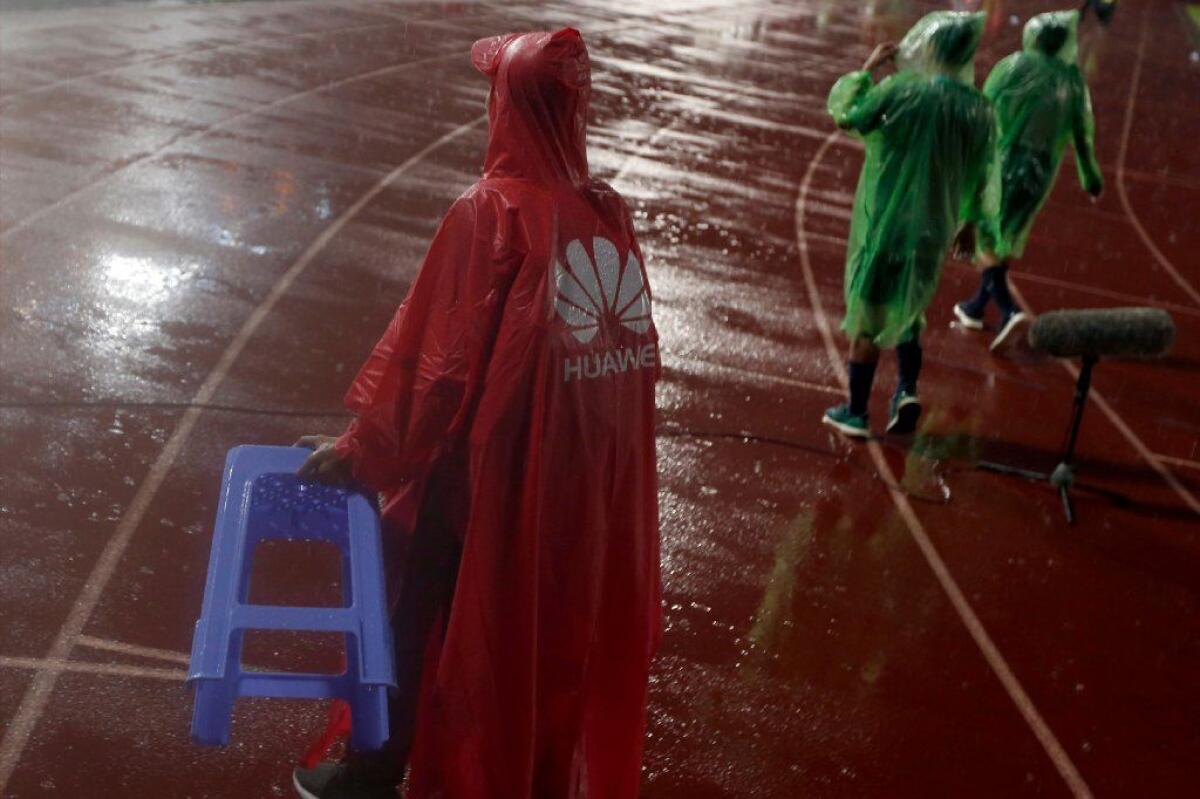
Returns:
<point x="510" y="404"/>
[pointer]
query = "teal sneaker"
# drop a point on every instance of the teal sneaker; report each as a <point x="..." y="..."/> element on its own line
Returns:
<point x="904" y="413"/>
<point x="848" y="424"/>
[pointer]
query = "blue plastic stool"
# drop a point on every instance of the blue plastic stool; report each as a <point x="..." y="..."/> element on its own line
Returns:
<point x="262" y="499"/>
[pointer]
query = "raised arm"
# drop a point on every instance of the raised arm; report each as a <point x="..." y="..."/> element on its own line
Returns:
<point x="855" y="102"/>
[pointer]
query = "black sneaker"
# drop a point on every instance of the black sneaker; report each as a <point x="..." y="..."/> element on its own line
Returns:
<point x="335" y="781"/>
<point x="905" y="411"/>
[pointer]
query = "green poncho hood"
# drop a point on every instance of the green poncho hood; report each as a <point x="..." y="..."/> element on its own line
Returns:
<point x="1055" y="34"/>
<point x="943" y="43"/>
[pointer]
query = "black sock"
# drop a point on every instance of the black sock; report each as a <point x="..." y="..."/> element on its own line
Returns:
<point x="975" y="305"/>
<point x="862" y="375"/>
<point x="908" y="364"/>
<point x="998" y="283"/>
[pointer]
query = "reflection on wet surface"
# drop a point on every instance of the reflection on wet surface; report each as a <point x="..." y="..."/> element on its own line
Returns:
<point x="149" y="5"/>
<point x="166" y="166"/>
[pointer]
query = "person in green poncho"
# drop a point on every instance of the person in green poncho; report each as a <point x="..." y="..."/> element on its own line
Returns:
<point x="929" y="135"/>
<point x="1041" y="103"/>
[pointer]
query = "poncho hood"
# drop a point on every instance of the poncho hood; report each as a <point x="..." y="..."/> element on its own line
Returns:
<point x="1055" y="34"/>
<point x="538" y="106"/>
<point x="943" y="43"/>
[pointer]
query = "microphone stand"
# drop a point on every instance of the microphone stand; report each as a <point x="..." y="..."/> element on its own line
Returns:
<point x="1063" y="476"/>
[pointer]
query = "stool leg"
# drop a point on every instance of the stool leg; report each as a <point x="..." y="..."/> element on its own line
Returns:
<point x="369" y="592"/>
<point x="368" y="703"/>
<point x="212" y="712"/>
<point x="368" y="714"/>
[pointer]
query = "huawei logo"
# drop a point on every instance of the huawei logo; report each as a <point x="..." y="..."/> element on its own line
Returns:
<point x="593" y="288"/>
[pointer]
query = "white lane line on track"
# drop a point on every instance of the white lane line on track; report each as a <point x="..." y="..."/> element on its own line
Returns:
<point x="643" y="152"/>
<point x="1027" y="277"/>
<point x="1162" y="259"/>
<point x="1183" y="462"/>
<point x="204" y="50"/>
<point x="58" y="666"/>
<point x="184" y="138"/>
<point x="674" y="361"/>
<point x="36" y="696"/>
<point x="133" y="650"/>
<point x="991" y="653"/>
<point x="1162" y="179"/>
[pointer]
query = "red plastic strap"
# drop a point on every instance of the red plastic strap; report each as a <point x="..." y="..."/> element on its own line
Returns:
<point x="337" y="728"/>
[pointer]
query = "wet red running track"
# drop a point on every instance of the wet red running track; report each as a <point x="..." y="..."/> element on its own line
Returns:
<point x="209" y="212"/>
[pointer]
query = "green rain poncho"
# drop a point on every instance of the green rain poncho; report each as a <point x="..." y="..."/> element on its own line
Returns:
<point x="1041" y="103"/>
<point x="929" y="136"/>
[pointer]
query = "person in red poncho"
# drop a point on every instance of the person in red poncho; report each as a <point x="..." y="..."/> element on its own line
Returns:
<point x="507" y="418"/>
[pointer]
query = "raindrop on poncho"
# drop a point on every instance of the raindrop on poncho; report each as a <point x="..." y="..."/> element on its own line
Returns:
<point x="1041" y="102"/>
<point x="509" y="411"/>
<point x="929" y="135"/>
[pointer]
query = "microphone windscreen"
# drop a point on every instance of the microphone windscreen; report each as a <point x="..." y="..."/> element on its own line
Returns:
<point x="1108" y="332"/>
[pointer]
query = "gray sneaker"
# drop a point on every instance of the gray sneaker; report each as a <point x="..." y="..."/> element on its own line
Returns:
<point x="335" y="781"/>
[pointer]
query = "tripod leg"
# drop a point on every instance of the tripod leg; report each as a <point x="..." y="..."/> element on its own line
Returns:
<point x="1082" y="386"/>
<point x="1064" y="475"/>
<point x="1068" y="506"/>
